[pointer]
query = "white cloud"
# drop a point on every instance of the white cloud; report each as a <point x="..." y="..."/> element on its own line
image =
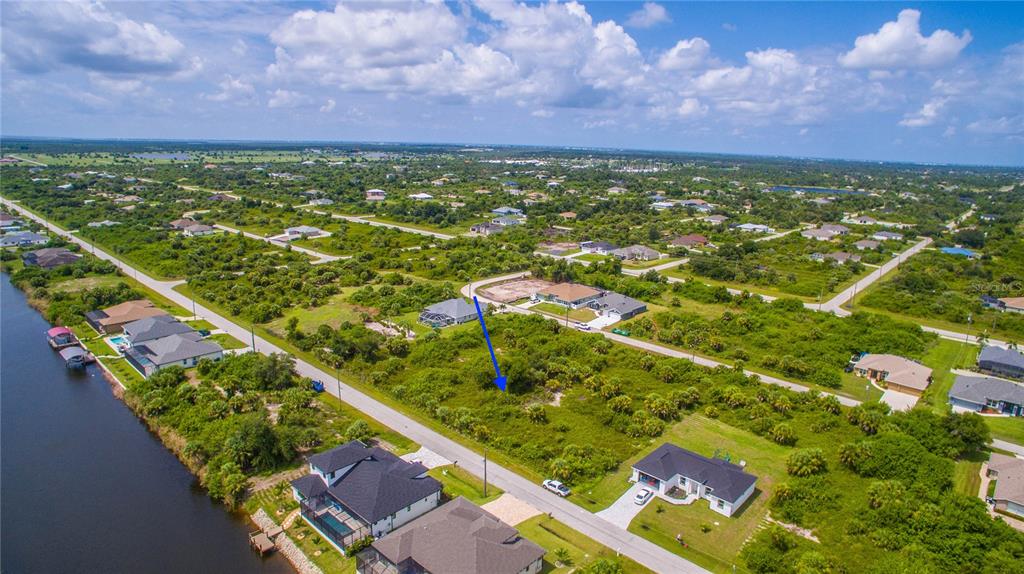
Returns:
<point x="542" y="113"/>
<point x="926" y="116"/>
<point x="691" y="108"/>
<point x="44" y="36"/>
<point x="328" y="106"/>
<point x="286" y="99"/>
<point x="240" y="48"/>
<point x="900" y="44"/>
<point x="232" y="89"/>
<point x="1004" y="125"/>
<point x="685" y="55"/>
<point x="649" y="15"/>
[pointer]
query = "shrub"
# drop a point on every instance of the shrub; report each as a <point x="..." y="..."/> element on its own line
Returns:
<point x="806" y="462"/>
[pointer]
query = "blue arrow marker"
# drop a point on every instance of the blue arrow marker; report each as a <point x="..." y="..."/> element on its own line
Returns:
<point x="498" y="380"/>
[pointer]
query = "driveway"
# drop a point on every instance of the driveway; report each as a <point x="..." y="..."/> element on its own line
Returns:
<point x="898" y="401"/>
<point x="624" y="510"/>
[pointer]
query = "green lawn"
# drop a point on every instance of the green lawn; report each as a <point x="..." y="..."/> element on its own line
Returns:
<point x="966" y="479"/>
<point x="93" y="282"/>
<point x="942" y="357"/>
<point x="457" y="482"/>
<point x="592" y="257"/>
<point x="1007" y="428"/>
<point x="647" y="264"/>
<point x="716" y="549"/>
<point x="582" y="315"/>
<point x="551" y="535"/>
<point x="201" y="324"/>
<point x="227" y="341"/>
<point x="334" y="312"/>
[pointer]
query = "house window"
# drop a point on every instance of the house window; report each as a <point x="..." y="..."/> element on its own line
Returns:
<point x="408" y="508"/>
<point x="721" y="503"/>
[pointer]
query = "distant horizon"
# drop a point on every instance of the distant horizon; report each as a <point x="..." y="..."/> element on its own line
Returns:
<point x="5" y="138"/>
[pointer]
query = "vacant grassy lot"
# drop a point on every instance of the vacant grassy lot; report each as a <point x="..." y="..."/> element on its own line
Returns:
<point x="1007" y="428"/>
<point x="583" y="315"/>
<point x="944" y="356"/>
<point x="458" y="482"/>
<point x="966" y="479"/>
<point x="660" y="522"/>
<point x="227" y="341"/>
<point x="552" y="535"/>
<point x="334" y="312"/>
<point x="89" y="282"/>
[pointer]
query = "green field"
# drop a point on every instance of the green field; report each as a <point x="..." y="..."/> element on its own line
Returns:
<point x="944" y="356"/>
<point x="1007" y="428"/>
<point x="966" y="479"/>
<point x="582" y="314"/>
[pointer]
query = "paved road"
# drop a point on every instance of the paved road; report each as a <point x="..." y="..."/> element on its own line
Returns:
<point x="618" y="539"/>
<point x="470" y="291"/>
<point x="31" y="161"/>
<point x="1014" y="448"/>
<point x="368" y="219"/>
<point x="320" y="257"/>
<point x="834" y="305"/>
<point x="659" y="267"/>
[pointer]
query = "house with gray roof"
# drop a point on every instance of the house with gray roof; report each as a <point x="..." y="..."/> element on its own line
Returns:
<point x="987" y="394"/>
<point x="1001" y="362"/>
<point x="180" y="350"/>
<point x="599" y="247"/>
<point x="726" y="486"/>
<point x="456" y="537"/>
<point x="155" y="327"/>
<point x="50" y="257"/>
<point x="617" y="306"/>
<point x="636" y="253"/>
<point x="22" y="239"/>
<point x="451" y="312"/>
<point x="507" y="211"/>
<point x="354" y="490"/>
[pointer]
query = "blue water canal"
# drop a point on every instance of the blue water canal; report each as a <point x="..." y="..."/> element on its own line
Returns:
<point x="85" y="486"/>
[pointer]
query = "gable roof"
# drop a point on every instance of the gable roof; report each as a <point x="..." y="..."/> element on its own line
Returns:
<point x="1010" y="357"/>
<point x="460" y="537"/>
<point x="636" y="251"/>
<point x="691" y="239"/>
<point x="727" y="481"/>
<point x="340" y="457"/>
<point x="154" y="327"/>
<point x="127" y="312"/>
<point x="980" y="389"/>
<point x="1010" y="484"/>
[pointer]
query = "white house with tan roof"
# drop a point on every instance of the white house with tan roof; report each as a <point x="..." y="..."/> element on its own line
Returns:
<point x="898" y="373"/>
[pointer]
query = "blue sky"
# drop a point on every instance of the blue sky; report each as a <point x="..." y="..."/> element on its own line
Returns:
<point x="932" y="82"/>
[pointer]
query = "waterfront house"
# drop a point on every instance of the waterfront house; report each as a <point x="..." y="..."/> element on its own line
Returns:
<point x="23" y="239"/>
<point x="451" y="312"/>
<point x="1008" y="474"/>
<point x="616" y="306"/>
<point x="570" y="295"/>
<point x="1001" y="362"/>
<point x="457" y="537"/>
<point x="680" y="473"/>
<point x="636" y="253"/>
<point x="598" y="247"/>
<point x="198" y="230"/>
<point x="376" y="195"/>
<point x="154" y="327"/>
<point x="988" y="395"/>
<point x="49" y="257"/>
<point x="354" y="491"/>
<point x="179" y="350"/>
<point x="898" y="373"/>
<point x="113" y="319"/>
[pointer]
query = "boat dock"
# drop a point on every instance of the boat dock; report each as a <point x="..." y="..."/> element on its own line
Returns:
<point x="262" y="541"/>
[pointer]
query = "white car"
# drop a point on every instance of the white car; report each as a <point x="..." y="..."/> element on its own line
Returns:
<point x="556" y="487"/>
<point x="643" y="495"/>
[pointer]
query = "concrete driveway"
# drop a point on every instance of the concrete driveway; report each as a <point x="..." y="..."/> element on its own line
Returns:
<point x="624" y="510"/>
<point x="898" y="401"/>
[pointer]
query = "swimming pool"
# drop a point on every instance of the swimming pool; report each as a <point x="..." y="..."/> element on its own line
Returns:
<point x="118" y="341"/>
<point x="336" y="525"/>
